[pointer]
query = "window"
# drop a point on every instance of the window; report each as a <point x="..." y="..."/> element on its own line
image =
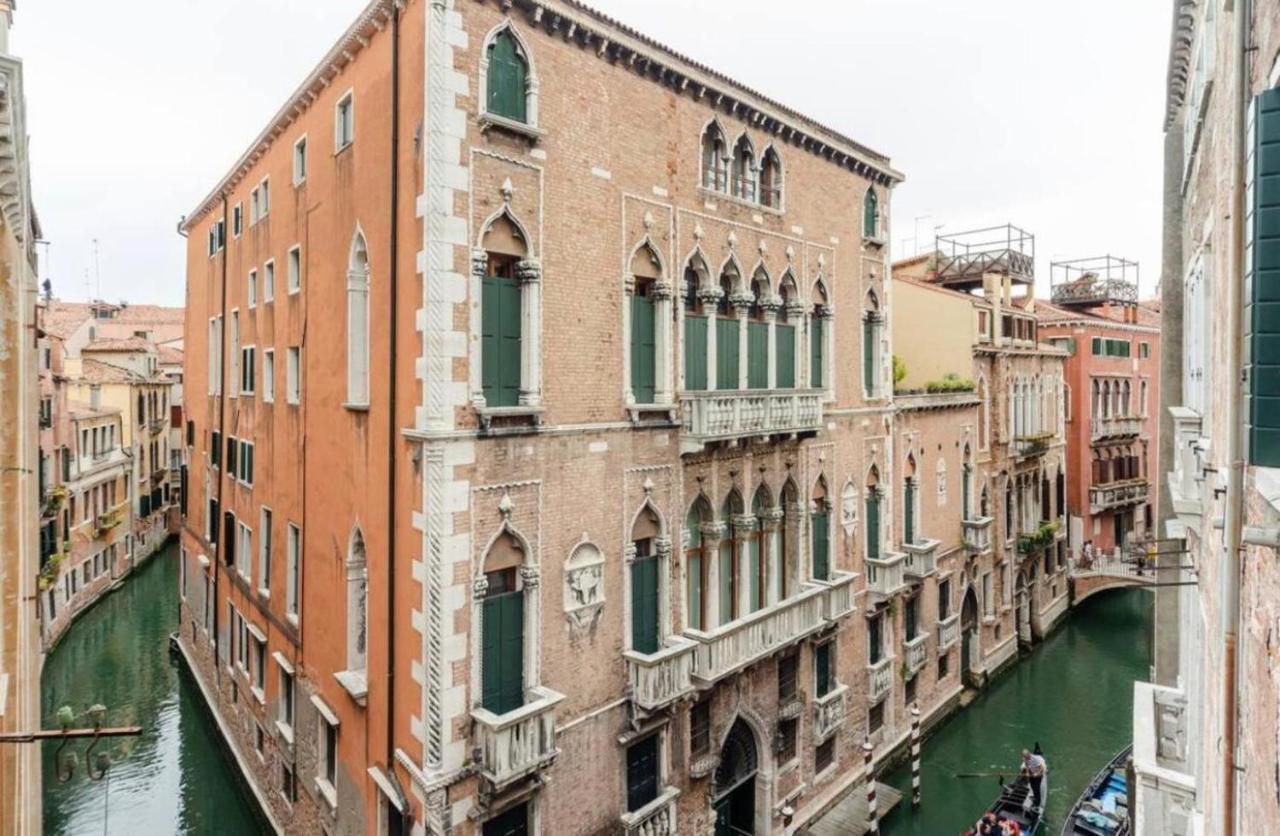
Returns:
<point x="358" y="324"/>
<point x="502" y="332"/>
<point x="235" y="353"/>
<point x="506" y="79"/>
<point x="642" y="772"/>
<point x="944" y="599"/>
<point x="824" y="669"/>
<point x="872" y="322"/>
<point x="288" y="783"/>
<point x="357" y="604"/>
<point x="264" y="552"/>
<point x="744" y="170"/>
<point x="700" y="729"/>
<point x="244" y="550"/>
<point x="217" y="236"/>
<point x="293" y="572"/>
<point x="875" y="718"/>
<point x="871" y="215"/>
<point x="875" y="638"/>
<point x="820" y="522"/>
<point x="247" y="370"/>
<point x="328" y="758"/>
<point x="269" y="375"/>
<point x="252" y="293"/>
<point x="771" y="179"/>
<point x="237" y="220"/>
<point x="502" y="617"/>
<point x="344" y="123"/>
<point x="258" y="660"/>
<point x="1196" y="368"/>
<point x="788" y="732"/>
<point x="295" y="268"/>
<point x="944" y="661"/>
<point x="255" y="205"/>
<point x="293" y="375"/>
<point x="714" y="174"/>
<point x="242" y="466"/>
<point x="264" y="198"/>
<point x="300" y="161"/>
<point x="285" y="699"/>
<point x="696" y="566"/>
<point x="269" y="281"/>
<point x="787" y="666"/>
<point x="911" y="618"/>
<point x="825" y="755"/>
<point x="1144" y="350"/>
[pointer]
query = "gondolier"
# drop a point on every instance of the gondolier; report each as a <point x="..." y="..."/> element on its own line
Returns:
<point x="1034" y="766"/>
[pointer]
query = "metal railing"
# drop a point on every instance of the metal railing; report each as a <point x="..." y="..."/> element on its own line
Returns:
<point x="965" y="257"/>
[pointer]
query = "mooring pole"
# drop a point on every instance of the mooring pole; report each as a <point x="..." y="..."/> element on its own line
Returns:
<point x="873" y="827"/>
<point x="915" y="754"/>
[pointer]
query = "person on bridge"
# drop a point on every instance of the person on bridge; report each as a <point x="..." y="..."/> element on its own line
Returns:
<point x="1033" y="766"/>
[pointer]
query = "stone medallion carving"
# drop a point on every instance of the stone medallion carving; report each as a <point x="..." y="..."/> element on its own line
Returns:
<point x="849" y="508"/>
<point x="584" y="585"/>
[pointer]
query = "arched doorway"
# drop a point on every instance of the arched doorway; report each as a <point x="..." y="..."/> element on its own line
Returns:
<point x="1022" y="608"/>
<point x="734" y="790"/>
<point x="969" y="646"/>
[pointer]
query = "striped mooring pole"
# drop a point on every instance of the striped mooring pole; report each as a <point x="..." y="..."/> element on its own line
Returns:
<point x="873" y="826"/>
<point x="915" y="754"/>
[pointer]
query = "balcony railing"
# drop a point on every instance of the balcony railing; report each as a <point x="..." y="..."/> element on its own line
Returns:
<point x="977" y="534"/>
<point x="948" y="632"/>
<point x="733" y="646"/>
<point x="840" y="594"/>
<point x="657" y="818"/>
<point x="1031" y="445"/>
<point x="1117" y="494"/>
<point x="829" y="712"/>
<point x="922" y="559"/>
<point x="886" y="576"/>
<point x="659" y="679"/>
<point x="1114" y="427"/>
<point x="731" y="415"/>
<point x="916" y="651"/>
<point x="156" y="426"/>
<point x="879" y="679"/>
<point x="108" y="521"/>
<point x="519" y="742"/>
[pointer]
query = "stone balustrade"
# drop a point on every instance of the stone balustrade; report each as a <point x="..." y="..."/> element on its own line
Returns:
<point x="733" y="646"/>
<point x="948" y="632"/>
<point x="1117" y="494"/>
<point x="659" y="679"/>
<point x="922" y="560"/>
<point x="1114" y="426"/>
<point x="977" y="535"/>
<point x="840" y="594"/>
<point x="657" y="818"/>
<point x="879" y="679"/>
<point x="829" y="712"/>
<point x="886" y="575"/>
<point x="916" y="652"/>
<point x="519" y="742"/>
<point x="730" y="415"/>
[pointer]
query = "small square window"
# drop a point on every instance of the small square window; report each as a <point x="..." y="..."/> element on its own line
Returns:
<point x="253" y="288"/>
<point x="825" y="755"/>
<point x="875" y="718"/>
<point x="269" y="281"/>
<point x="700" y="729"/>
<point x="300" y="161"/>
<point x="344" y="125"/>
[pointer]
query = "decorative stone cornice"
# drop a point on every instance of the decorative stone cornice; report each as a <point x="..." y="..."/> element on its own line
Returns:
<point x="1181" y="42"/>
<point x="15" y="182"/>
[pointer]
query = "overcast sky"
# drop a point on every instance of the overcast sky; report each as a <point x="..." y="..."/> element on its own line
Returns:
<point x="1044" y="114"/>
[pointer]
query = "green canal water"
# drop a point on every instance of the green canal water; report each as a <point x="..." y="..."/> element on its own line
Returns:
<point x="1074" y="695"/>
<point x="175" y="778"/>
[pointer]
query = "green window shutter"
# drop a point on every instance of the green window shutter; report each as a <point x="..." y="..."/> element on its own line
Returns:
<point x="822" y="669"/>
<point x="869" y="204"/>
<point x="726" y="581"/>
<point x="502" y="661"/>
<point x="757" y="355"/>
<point x="817" y="345"/>
<point x="873" y="526"/>
<point x="966" y="487"/>
<point x="695" y="591"/>
<point x="642" y="773"/>
<point x="1262" y="294"/>
<point x="513" y="822"/>
<point x="755" y="592"/>
<point x="695" y="353"/>
<point x="821" y="538"/>
<point x="909" y="512"/>
<point x="786" y="359"/>
<point x="642" y="348"/>
<point x="869" y="355"/>
<point x="506" y="79"/>
<point x="1095" y="347"/>
<point x="726" y="354"/>
<point x="500" y="340"/>
<point x="644" y="604"/>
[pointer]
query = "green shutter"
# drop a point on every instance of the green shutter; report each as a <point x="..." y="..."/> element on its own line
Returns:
<point x="644" y="604"/>
<point x="506" y="79"/>
<point x="1262" y="281"/>
<point x="726" y="581"/>
<point x="1095" y="347"/>
<point x="821" y="537"/>
<point x="817" y="344"/>
<point x="500" y="341"/>
<point x="966" y="486"/>
<point x="642" y="349"/>
<point x="695" y="591"/>
<point x="757" y="355"/>
<point x="909" y="512"/>
<point x="822" y="668"/>
<point x="695" y="353"/>
<point x="755" y="593"/>
<point x="869" y="355"/>
<point x="873" y="525"/>
<point x="726" y="354"/>
<point x="502" y="663"/>
<point x="869" y="214"/>
<point x="786" y="359"/>
<point x="642" y="773"/>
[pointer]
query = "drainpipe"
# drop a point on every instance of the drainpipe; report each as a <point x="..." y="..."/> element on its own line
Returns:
<point x="219" y="531"/>
<point x="392" y="319"/>
<point x="1234" y="522"/>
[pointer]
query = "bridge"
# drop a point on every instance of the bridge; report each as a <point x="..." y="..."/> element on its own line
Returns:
<point x="1115" y="570"/>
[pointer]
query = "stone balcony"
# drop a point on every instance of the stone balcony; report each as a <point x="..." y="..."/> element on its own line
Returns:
<point x="1114" y="426"/>
<point x="1035" y="444"/>
<point x="734" y="415"/>
<point x="922" y="558"/>
<point x="733" y="646"/>
<point x="657" y="818"/>
<point x="886" y="575"/>
<point x="879" y="679"/>
<point x="659" y="679"/>
<point x="840" y="595"/>
<point x="1190" y="458"/>
<point x="829" y="711"/>
<point x="948" y="632"/>
<point x="977" y="535"/>
<point x="1117" y="494"/>
<point x="519" y="742"/>
<point x="916" y="652"/>
<point x="1164" y="795"/>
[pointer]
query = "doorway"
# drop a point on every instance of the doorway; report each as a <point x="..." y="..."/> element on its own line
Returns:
<point x="734" y="789"/>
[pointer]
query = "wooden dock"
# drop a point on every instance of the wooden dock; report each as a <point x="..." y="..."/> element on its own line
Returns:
<point x="849" y="816"/>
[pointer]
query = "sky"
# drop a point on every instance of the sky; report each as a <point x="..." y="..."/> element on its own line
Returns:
<point x="1043" y="114"/>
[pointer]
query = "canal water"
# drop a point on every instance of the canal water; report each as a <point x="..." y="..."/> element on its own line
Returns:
<point x="1074" y="695"/>
<point x="175" y="778"/>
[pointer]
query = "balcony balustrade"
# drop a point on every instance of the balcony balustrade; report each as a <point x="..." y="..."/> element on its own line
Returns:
<point x="977" y="535"/>
<point x="1114" y="426"/>
<point x="916" y="651"/>
<point x="879" y="679"/>
<point x="840" y="594"/>
<point x="735" y="645"/>
<point x="886" y="576"/>
<point x="922" y="558"/>
<point x="948" y="632"/>
<point x="659" y="679"/>
<point x="519" y="742"/>
<point x="829" y="712"/>
<point x="1036" y="444"/>
<point x="1117" y="494"/>
<point x="1186" y="479"/>
<point x="733" y="415"/>
<point x="657" y="818"/>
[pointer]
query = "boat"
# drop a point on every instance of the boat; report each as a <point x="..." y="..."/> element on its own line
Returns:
<point x="1103" y="808"/>
<point x="1015" y="802"/>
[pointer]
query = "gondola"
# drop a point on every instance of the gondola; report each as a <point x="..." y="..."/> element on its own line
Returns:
<point x="1103" y="808"/>
<point x="1015" y="802"/>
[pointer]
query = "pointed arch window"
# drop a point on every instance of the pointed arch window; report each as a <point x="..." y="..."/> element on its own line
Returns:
<point x="358" y="323"/>
<point x="872" y="516"/>
<point x="966" y="486"/>
<point x="510" y="300"/>
<point x="788" y="540"/>
<point x="818" y="376"/>
<point x="727" y="327"/>
<point x="357" y="604"/>
<point x="784" y="333"/>
<point x="646" y="579"/>
<point x="984" y="415"/>
<point x="696" y="565"/>
<point x="754" y="568"/>
<point x="731" y="555"/>
<point x="695" y="327"/>
<point x="714" y="176"/>
<point x="502" y="627"/>
<point x="744" y="169"/>
<point x="871" y="324"/>
<point x="871" y="214"/>
<point x="758" y="333"/>
<point x="820" y="522"/>
<point x="909" y="502"/>
<point x="771" y="179"/>
<point x="507" y="78"/>
<point x="648" y="327"/>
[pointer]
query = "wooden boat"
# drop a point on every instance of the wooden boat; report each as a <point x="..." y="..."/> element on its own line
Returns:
<point x="1103" y="808"/>
<point x="1016" y="802"/>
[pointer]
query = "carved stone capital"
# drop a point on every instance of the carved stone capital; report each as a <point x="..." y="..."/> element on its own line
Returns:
<point x="772" y="516"/>
<point x="742" y="299"/>
<point x="662" y="545"/>
<point x="629" y="552"/>
<point x="713" y="531"/>
<point x="771" y="304"/>
<point x="661" y="290"/>
<point x="823" y="311"/>
<point x="710" y="295"/>
<point x="530" y="576"/>
<point x="479" y="587"/>
<point x="479" y="262"/>
<point x="744" y="522"/>
<point x="794" y="309"/>
<point x="529" y="271"/>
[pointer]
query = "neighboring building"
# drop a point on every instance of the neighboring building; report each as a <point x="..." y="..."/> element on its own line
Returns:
<point x="972" y="298"/>
<point x="20" y="469"/>
<point x="598" y="529"/>
<point x="1113" y="385"/>
<point x="1216" y="650"/>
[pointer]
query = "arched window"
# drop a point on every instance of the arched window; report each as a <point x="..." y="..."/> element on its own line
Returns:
<point x="871" y="214"/>
<point x="872" y="517"/>
<point x="696" y="564"/>
<point x="731" y="549"/>
<point x="727" y="368"/>
<point x="818" y="377"/>
<point x="820" y="521"/>
<point x="871" y="324"/>
<point x="358" y="323"/>
<point x="1008" y="508"/>
<point x="502" y="633"/>
<point x="357" y="604"/>
<point x="758" y="332"/>
<point x="771" y="179"/>
<point x="909" y="502"/>
<point x="502" y="312"/>
<point x="755" y="560"/>
<point x="695" y="325"/>
<point x="507" y="78"/>
<point x="966" y="486"/>
<point x="984" y="502"/>
<point x="714" y="176"/>
<point x="984" y="414"/>
<point x="646" y="273"/>
<point x="784" y="333"/>
<point x="788" y="547"/>
<point x="646" y="630"/>
<point x="1095" y="407"/>
<point x="744" y="169"/>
